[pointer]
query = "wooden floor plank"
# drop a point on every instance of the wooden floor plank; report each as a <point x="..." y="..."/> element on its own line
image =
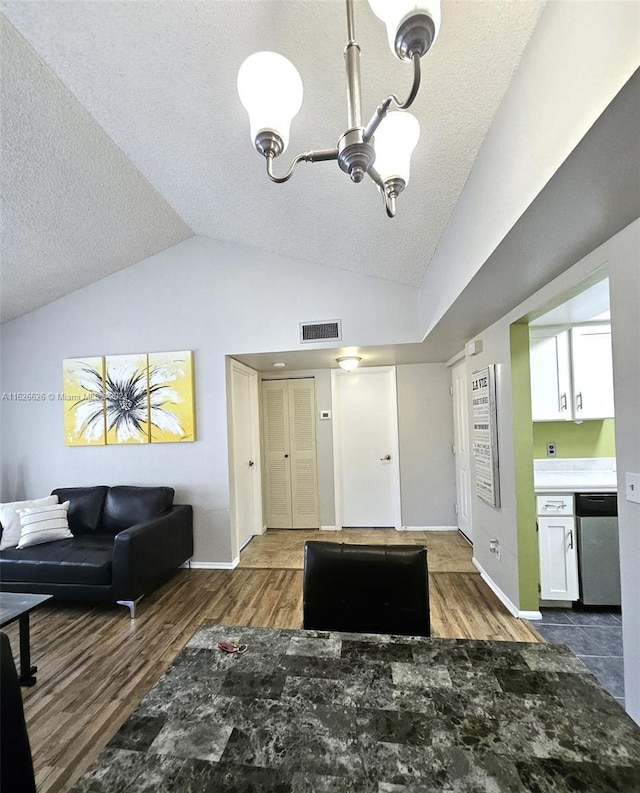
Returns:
<point x="95" y="665"/>
<point x="448" y="551"/>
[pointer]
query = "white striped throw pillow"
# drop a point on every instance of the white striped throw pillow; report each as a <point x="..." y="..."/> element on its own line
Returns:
<point x="43" y="524"/>
<point x="10" y="519"/>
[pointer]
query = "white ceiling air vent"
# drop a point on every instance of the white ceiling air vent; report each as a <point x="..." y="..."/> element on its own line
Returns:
<point x="327" y="330"/>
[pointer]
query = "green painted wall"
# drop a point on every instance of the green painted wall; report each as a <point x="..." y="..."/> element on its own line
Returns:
<point x="589" y="439"/>
<point x="528" y="575"/>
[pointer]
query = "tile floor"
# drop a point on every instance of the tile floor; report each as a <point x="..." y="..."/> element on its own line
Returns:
<point x="595" y="637"/>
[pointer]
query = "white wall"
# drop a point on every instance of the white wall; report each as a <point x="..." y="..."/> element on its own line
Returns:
<point x="624" y="295"/>
<point x="490" y="522"/>
<point x="209" y="297"/>
<point x="579" y="57"/>
<point x="425" y="433"/>
<point x="621" y="254"/>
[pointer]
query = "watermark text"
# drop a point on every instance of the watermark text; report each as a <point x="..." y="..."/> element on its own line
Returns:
<point x="40" y="396"/>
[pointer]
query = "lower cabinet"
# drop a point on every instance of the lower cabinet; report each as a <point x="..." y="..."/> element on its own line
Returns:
<point x="557" y="547"/>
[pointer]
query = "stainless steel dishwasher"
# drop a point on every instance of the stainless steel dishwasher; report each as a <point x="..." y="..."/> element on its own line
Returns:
<point x="598" y="550"/>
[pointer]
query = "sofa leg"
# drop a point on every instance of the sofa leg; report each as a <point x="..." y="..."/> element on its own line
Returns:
<point x="131" y="604"/>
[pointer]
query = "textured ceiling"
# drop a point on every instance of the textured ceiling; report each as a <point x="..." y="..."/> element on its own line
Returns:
<point x="592" y="196"/>
<point x="74" y="208"/>
<point x="160" y="80"/>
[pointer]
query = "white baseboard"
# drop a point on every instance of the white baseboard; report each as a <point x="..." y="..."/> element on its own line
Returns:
<point x="530" y="615"/>
<point x="216" y="565"/>
<point x="510" y="606"/>
<point x="403" y="528"/>
<point x="429" y="528"/>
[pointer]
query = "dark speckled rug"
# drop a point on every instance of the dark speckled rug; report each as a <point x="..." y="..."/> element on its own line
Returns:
<point x="313" y="712"/>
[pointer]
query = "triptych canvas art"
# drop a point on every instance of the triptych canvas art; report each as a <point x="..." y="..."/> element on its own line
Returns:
<point x="139" y="398"/>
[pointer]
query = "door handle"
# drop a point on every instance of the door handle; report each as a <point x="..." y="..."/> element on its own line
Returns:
<point x="570" y="539"/>
<point x="251" y="463"/>
<point x="563" y="401"/>
<point x="579" y="400"/>
<point x="386" y="457"/>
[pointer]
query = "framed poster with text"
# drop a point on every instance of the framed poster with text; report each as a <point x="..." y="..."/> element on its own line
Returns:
<point x="485" y="435"/>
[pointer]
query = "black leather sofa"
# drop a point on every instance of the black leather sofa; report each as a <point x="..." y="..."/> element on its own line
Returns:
<point x="127" y="541"/>
<point x="366" y="588"/>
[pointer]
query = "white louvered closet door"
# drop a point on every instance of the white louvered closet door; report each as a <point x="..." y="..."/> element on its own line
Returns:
<point x="302" y="444"/>
<point x="291" y="482"/>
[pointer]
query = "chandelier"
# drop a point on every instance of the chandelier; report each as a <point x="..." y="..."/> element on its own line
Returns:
<point x="270" y="89"/>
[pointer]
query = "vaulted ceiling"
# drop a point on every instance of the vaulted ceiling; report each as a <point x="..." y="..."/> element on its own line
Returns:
<point x="122" y="135"/>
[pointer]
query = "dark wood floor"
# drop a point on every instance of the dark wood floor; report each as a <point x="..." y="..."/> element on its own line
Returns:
<point x="95" y="665"/>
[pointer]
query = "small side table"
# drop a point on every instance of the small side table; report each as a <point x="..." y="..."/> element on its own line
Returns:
<point x="17" y="606"/>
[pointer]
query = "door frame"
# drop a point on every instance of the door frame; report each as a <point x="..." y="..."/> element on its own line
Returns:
<point x="461" y="360"/>
<point x="256" y="456"/>
<point x="396" y="505"/>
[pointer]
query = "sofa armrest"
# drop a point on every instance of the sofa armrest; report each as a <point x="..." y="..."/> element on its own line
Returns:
<point x="146" y="555"/>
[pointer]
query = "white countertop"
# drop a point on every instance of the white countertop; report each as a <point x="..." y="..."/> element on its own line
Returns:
<point x="576" y="482"/>
<point x="575" y="476"/>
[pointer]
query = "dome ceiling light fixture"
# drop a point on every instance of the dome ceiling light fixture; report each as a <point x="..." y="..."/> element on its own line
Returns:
<point x="348" y="362"/>
<point x="271" y="91"/>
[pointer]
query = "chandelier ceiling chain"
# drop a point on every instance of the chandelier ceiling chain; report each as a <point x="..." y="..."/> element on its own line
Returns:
<point x="270" y="89"/>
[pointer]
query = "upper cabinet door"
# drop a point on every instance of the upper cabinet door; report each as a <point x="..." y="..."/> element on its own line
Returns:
<point x="551" y="398"/>
<point x="592" y="372"/>
<point x="571" y="373"/>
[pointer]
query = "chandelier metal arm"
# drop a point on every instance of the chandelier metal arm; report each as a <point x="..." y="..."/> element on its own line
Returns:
<point x="383" y="107"/>
<point x="388" y="196"/>
<point x="321" y="155"/>
<point x="355" y="153"/>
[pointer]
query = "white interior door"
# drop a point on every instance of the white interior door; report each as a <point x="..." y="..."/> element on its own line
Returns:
<point x="289" y="440"/>
<point x="365" y="440"/>
<point x="461" y="447"/>
<point x="245" y="452"/>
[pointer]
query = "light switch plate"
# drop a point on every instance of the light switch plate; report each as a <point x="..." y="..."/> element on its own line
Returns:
<point x="632" y="487"/>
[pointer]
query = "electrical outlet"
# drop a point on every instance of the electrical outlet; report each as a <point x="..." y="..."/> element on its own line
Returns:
<point x="552" y="449"/>
<point x="632" y="487"/>
<point x="494" y="547"/>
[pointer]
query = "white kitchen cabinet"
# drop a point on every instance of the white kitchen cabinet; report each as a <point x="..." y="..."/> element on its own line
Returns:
<point x="592" y="372"/>
<point x="550" y="363"/>
<point x="571" y="373"/>
<point x="557" y="550"/>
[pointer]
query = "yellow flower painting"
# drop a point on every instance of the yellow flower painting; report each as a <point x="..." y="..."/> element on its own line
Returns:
<point x="127" y="398"/>
<point x="171" y="397"/>
<point x="124" y="399"/>
<point x="83" y="398"/>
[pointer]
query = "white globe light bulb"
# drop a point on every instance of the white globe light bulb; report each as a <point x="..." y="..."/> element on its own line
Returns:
<point x="271" y="91"/>
<point x="395" y="13"/>
<point x="395" y="139"/>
